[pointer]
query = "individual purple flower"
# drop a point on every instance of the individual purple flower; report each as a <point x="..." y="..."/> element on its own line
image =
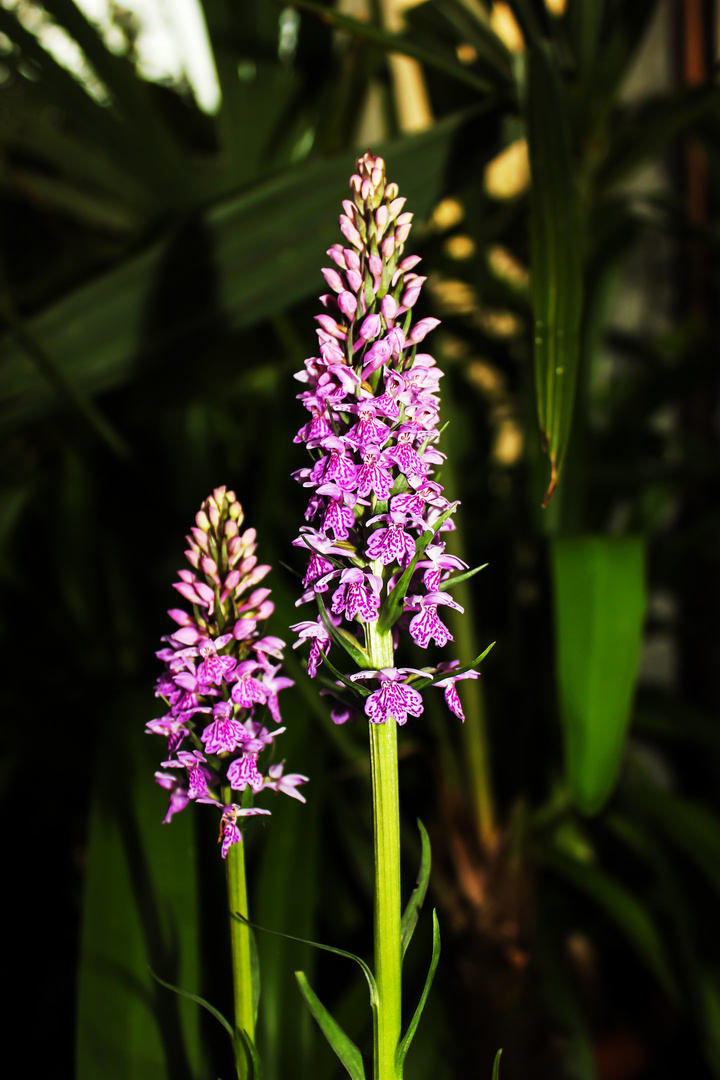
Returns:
<point x="287" y="783"/>
<point x="244" y="771"/>
<point x="448" y="685"/>
<point x="427" y="626"/>
<point x="316" y="632"/>
<point x="218" y="672"/>
<point x="358" y="595"/>
<point x="229" y="832"/>
<point x="391" y="543"/>
<point x="225" y="733"/>
<point x="394" y="700"/>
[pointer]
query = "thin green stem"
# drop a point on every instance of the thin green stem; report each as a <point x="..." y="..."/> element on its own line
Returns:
<point x="240" y="946"/>
<point x="386" y="824"/>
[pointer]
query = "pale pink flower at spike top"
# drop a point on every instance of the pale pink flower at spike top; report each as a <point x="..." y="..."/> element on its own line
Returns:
<point x="220" y="683"/>
<point x="375" y="515"/>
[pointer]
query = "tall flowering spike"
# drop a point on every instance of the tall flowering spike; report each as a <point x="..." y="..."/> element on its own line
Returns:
<point x="218" y="684"/>
<point x="375" y="514"/>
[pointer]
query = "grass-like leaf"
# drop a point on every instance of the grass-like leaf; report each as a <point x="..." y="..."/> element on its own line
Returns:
<point x="404" y="1044"/>
<point x="496" y="1066"/>
<point x="198" y="1001"/>
<point x="345" y="1049"/>
<point x="556" y="255"/>
<point x="343" y="639"/>
<point x="415" y="903"/>
<point x="393" y="607"/>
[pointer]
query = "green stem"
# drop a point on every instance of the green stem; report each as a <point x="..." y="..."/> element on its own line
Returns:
<point x="240" y="947"/>
<point x="386" y="824"/>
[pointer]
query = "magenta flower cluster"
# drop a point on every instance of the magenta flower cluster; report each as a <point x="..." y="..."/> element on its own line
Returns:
<point x="219" y="676"/>
<point x="375" y="513"/>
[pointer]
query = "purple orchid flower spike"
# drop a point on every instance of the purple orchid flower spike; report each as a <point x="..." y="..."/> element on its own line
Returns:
<point x="218" y="677"/>
<point x="377" y="514"/>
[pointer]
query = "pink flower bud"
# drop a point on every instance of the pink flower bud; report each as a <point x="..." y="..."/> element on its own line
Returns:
<point x="422" y="328"/>
<point x="388" y="247"/>
<point x="333" y="279"/>
<point x="347" y="304"/>
<point x="370" y="328"/>
<point x="388" y="307"/>
<point x="350" y="232"/>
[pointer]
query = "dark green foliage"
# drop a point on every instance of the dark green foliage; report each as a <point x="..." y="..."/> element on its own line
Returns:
<point x="159" y="269"/>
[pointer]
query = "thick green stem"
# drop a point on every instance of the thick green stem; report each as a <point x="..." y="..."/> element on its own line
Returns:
<point x="386" y="824"/>
<point x="240" y="946"/>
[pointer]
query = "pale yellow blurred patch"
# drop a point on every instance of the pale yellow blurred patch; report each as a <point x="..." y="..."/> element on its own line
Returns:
<point x="503" y="22"/>
<point x="556" y="7"/>
<point x="498" y="323"/>
<point x="460" y="247"/>
<point x="451" y="347"/>
<point x="486" y="377"/>
<point x="508" y="446"/>
<point x="508" y="174"/>
<point x="506" y="267"/>
<point x="508" y="441"/>
<point x="466" y="53"/>
<point x="452" y="296"/>
<point x="447" y="213"/>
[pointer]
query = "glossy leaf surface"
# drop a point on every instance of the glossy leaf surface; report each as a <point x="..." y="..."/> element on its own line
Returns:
<point x="599" y="587"/>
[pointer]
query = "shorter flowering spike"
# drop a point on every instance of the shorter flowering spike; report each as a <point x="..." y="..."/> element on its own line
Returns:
<point x="217" y="674"/>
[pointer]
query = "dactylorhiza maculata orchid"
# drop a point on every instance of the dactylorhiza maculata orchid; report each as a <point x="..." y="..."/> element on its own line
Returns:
<point x="220" y="679"/>
<point x="375" y="554"/>
<point x="376" y="561"/>
<point x="220" y="685"/>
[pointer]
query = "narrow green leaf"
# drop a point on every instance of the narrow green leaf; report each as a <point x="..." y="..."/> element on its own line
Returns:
<point x="132" y="96"/>
<point x="404" y="1044"/>
<point x="139" y="909"/>
<point x="397" y="43"/>
<point x="599" y="588"/>
<point x="556" y="255"/>
<point x="420" y="683"/>
<point x="630" y="916"/>
<point x="691" y="827"/>
<point x="415" y="903"/>
<point x="246" y="1052"/>
<point x="585" y="23"/>
<point x="344" y="1047"/>
<point x="645" y="132"/>
<point x="198" y="1001"/>
<point x="100" y="122"/>
<point x="457" y="579"/>
<point x="467" y="24"/>
<point x="496" y="1066"/>
<point x="392" y="609"/>
<point x="326" y="948"/>
<point x="344" y="640"/>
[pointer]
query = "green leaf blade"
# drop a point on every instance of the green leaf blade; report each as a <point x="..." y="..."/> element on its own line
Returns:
<point x="345" y="1049"/>
<point x="404" y="1044"/>
<point x="600" y="599"/>
<point x="556" y="255"/>
<point x="415" y="903"/>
